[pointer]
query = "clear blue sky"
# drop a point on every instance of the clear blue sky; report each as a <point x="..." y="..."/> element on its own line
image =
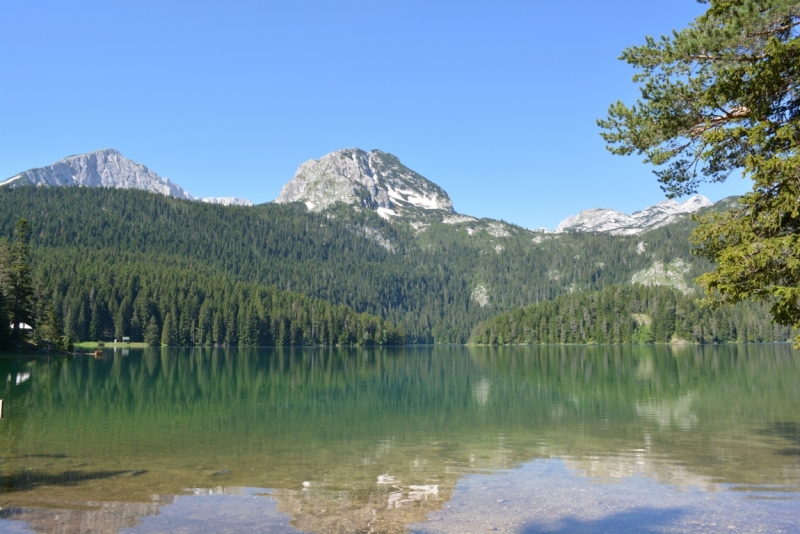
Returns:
<point x="494" y="101"/>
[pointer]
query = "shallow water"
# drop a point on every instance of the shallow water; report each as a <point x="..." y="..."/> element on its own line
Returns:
<point x="426" y="439"/>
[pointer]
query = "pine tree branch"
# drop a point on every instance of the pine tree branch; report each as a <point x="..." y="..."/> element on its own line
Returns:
<point x="736" y="113"/>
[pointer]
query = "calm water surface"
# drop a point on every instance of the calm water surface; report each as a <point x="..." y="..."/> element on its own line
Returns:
<point x="430" y="439"/>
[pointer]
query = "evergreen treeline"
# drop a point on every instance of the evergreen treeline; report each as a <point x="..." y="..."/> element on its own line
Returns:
<point x="171" y="303"/>
<point x="16" y="291"/>
<point x="629" y="314"/>
<point x="422" y="279"/>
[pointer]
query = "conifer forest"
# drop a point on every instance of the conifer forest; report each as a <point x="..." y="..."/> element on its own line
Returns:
<point x="100" y="264"/>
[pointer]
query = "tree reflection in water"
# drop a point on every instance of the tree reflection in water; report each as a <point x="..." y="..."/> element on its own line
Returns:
<point x="157" y="422"/>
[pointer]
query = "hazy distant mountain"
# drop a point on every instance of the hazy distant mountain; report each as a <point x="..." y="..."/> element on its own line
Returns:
<point x="227" y="201"/>
<point x="374" y="180"/>
<point x="107" y="168"/>
<point x="618" y="223"/>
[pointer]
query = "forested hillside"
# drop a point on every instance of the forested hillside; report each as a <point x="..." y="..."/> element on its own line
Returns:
<point x="170" y="301"/>
<point x="630" y="314"/>
<point x="435" y="281"/>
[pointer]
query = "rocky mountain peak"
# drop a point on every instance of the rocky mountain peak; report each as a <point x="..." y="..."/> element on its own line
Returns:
<point x="375" y="180"/>
<point x="102" y="168"/>
<point x="107" y="168"/>
<point x="618" y="223"/>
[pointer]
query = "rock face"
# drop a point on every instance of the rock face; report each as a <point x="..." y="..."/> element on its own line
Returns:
<point x="104" y="168"/>
<point x="375" y="180"/>
<point x="672" y="274"/>
<point x="107" y="168"/>
<point x="618" y="223"/>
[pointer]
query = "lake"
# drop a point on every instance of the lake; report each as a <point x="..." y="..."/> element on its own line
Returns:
<point x="412" y="439"/>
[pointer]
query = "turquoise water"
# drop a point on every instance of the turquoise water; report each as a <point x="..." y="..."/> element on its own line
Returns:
<point x="423" y="439"/>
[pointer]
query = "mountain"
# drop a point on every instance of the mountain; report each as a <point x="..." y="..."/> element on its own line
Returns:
<point x="103" y="257"/>
<point x="618" y="223"/>
<point x="103" y="168"/>
<point x="227" y="201"/>
<point x="388" y="244"/>
<point x="626" y="314"/>
<point x="437" y="279"/>
<point x="374" y="180"/>
<point x="108" y="168"/>
<point x="379" y="181"/>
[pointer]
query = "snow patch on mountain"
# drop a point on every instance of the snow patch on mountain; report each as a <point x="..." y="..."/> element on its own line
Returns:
<point x="411" y="197"/>
<point x="618" y="223"/>
<point x="386" y="213"/>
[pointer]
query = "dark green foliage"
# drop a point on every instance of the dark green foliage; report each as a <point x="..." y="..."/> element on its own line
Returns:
<point x="423" y="284"/>
<point x="52" y="330"/>
<point x="629" y="314"/>
<point x="20" y="289"/>
<point x="5" y="331"/>
<point x="169" y="332"/>
<point x="173" y="305"/>
<point x="643" y="335"/>
<point x="151" y="333"/>
<point x="718" y="98"/>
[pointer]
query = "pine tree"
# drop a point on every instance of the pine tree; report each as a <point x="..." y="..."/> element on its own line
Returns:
<point x="5" y="331"/>
<point x="119" y="323"/>
<point x="53" y="330"/>
<point x="94" y="321"/>
<point x="21" y="289"/>
<point x="169" y="331"/>
<point x="151" y="333"/>
<point x="722" y="97"/>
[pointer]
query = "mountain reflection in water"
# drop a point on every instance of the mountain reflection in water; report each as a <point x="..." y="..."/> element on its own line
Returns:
<point x="348" y="440"/>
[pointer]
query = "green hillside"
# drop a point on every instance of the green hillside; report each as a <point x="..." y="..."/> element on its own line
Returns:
<point x="630" y="314"/>
<point x="436" y="281"/>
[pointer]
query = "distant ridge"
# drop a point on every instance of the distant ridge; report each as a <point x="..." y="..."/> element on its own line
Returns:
<point x="618" y="223"/>
<point x="373" y="180"/>
<point x="227" y="201"/>
<point x="107" y="168"/>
